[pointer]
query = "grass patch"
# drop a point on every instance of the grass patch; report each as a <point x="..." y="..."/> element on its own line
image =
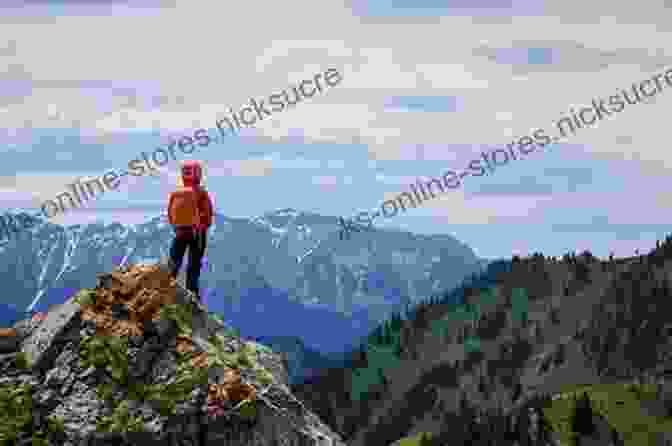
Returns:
<point x="15" y="412"/>
<point x="619" y="404"/>
<point x="112" y="351"/>
<point x="22" y="360"/>
<point x="419" y="440"/>
<point x="85" y="297"/>
<point x="120" y="421"/>
<point x="181" y="314"/>
<point x="16" y="416"/>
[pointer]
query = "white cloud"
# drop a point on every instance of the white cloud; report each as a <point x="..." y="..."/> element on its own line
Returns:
<point x="456" y="207"/>
<point x="242" y="168"/>
<point x="214" y="59"/>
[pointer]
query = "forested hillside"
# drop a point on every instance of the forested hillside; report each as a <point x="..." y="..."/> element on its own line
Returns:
<point x="516" y="340"/>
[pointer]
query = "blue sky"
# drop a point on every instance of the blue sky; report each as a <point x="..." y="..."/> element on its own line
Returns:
<point x="426" y="86"/>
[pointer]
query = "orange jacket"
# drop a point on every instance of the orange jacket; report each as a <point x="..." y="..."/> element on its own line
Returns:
<point x="205" y="208"/>
<point x="191" y="178"/>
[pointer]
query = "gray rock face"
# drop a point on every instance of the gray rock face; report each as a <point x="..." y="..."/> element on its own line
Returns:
<point x="51" y="331"/>
<point x="62" y="387"/>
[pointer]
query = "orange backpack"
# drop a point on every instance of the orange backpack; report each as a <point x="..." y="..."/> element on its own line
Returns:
<point x="184" y="207"/>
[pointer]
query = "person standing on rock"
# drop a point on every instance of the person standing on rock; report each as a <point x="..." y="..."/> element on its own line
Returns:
<point x="190" y="211"/>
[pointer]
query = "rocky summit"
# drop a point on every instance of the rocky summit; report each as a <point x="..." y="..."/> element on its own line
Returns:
<point x="138" y="360"/>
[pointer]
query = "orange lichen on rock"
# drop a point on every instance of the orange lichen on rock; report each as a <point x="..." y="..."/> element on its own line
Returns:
<point x="200" y="361"/>
<point x="231" y="388"/>
<point x="142" y="289"/>
<point x="241" y="391"/>
<point x="184" y="344"/>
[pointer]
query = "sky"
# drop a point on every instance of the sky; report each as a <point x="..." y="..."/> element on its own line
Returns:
<point x="426" y="86"/>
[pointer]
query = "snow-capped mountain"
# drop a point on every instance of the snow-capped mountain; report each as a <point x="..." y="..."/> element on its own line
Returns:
<point x="263" y="274"/>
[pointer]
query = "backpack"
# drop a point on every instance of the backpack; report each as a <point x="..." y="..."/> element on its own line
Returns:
<point x="184" y="207"/>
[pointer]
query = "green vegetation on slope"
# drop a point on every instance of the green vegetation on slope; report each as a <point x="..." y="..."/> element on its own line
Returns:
<point x="383" y="347"/>
<point x="422" y="439"/>
<point x="16" y="416"/>
<point x="112" y="352"/>
<point x="379" y="358"/>
<point x="619" y="404"/>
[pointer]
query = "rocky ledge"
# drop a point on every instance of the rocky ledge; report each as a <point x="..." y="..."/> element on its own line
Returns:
<point x="138" y="360"/>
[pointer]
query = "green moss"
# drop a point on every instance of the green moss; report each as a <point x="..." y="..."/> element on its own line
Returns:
<point x="55" y="424"/>
<point x="104" y="392"/>
<point x="22" y="360"/>
<point x="218" y="357"/>
<point x="85" y="296"/>
<point x="39" y="440"/>
<point x="16" y="416"/>
<point x="417" y="440"/>
<point x="264" y="376"/>
<point x="243" y="360"/>
<point x="112" y="351"/>
<point x="120" y="420"/>
<point x="619" y="404"/>
<point x="103" y="351"/>
<point x="181" y="314"/>
<point x="15" y="412"/>
<point x="168" y="395"/>
<point x="248" y="410"/>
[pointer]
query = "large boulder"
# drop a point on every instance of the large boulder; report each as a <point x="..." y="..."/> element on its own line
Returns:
<point x="138" y="360"/>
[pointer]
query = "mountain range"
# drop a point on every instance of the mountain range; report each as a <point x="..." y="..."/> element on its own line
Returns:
<point x="261" y="274"/>
<point x="395" y="339"/>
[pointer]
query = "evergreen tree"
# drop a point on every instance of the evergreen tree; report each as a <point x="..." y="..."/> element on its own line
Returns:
<point x="395" y="322"/>
<point x="376" y="337"/>
<point x="382" y="379"/>
<point x="379" y="338"/>
<point x="582" y="416"/>
<point x="398" y="350"/>
<point x="425" y="439"/>
<point x="387" y="336"/>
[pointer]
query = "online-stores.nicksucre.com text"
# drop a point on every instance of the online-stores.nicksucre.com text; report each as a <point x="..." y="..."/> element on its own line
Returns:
<point x="485" y="165"/>
<point x="82" y="190"/>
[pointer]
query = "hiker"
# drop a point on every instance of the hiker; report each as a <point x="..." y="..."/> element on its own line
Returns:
<point x="190" y="213"/>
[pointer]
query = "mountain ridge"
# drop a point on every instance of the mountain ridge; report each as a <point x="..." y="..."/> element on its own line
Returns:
<point x="519" y="338"/>
<point x="288" y="260"/>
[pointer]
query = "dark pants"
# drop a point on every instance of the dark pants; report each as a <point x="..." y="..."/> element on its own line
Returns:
<point x="186" y="237"/>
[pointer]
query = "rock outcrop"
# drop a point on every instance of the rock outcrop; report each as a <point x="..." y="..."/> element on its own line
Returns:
<point x="138" y="360"/>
